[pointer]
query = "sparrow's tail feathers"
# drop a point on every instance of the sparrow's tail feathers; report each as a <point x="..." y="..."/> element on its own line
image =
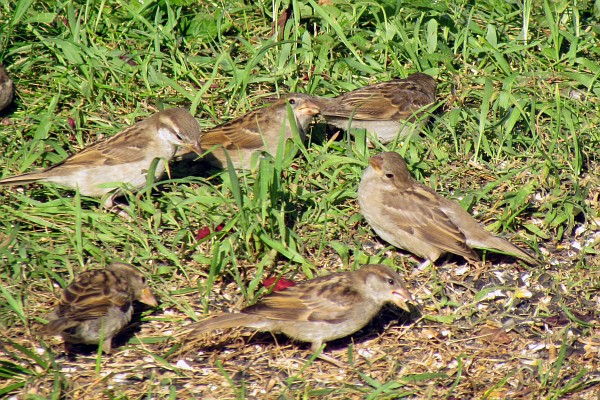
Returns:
<point x="57" y="326"/>
<point x="224" y="321"/>
<point x="21" y="179"/>
<point x="505" y="246"/>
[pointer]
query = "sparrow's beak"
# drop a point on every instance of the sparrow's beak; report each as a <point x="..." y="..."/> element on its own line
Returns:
<point x="376" y="162"/>
<point x="401" y="297"/>
<point x="190" y="147"/>
<point x="309" y="108"/>
<point x="148" y="298"/>
<point x="195" y="147"/>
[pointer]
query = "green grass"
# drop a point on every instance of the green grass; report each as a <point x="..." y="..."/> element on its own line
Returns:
<point x="514" y="138"/>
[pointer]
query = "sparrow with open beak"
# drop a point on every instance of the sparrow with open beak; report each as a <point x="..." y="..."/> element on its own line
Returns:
<point x="319" y="310"/>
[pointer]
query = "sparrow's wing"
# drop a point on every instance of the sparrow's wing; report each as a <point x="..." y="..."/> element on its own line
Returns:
<point x="126" y="147"/>
<point x="326" y="299"/>
<point x="242" y="133"/>
<point x="386" y="101"/>
<point x="477" y="236"/>
<point x="92" y="294"/>
<point x="416" y="210"/>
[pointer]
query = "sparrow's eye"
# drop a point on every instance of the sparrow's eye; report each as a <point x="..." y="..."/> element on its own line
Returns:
<point x="391" y="282"/>
<point x="292" y="101"/>
<point x="389" y="175"/>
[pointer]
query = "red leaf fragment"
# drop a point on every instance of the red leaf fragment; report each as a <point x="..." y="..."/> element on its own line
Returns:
<point x="205" y="231"/>
<point x="202" y="233"/>
<point x="277" y="283"/>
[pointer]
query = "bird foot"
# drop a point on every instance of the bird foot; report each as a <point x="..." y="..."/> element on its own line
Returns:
<point x="331" y="360"/>
<point x="121" y="211"/>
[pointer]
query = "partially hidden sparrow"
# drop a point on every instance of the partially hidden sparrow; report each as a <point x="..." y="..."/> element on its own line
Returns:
<point x="413" y="217"/>
<point x="259" y="130"/>
<point x="124" y="158"/>
<point x="319" y="310"/>
<point x="98" y="305"/>
<point x="7" y="89"/>
<point x="389" y="110"/>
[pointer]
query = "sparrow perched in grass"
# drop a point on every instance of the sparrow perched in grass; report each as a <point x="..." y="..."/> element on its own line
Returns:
<point x="319" y="310"/>
<point x="413" y="217"/>
<point x="98" y="305"/>
<point x="387" y="109"/>
<point x="259" y="130"/>
<point x="7" y="89"/>
<point x="122" y="159"/>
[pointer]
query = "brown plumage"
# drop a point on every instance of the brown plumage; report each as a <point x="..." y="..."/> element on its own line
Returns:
<point x="321" y="309"/>
<point x="123" y="159"/>
<point x="99" y="303"/>
<point x="7" y="89"/>
<point x="259" y="130"/>
<point x="384" y="108"/>
<point x="413" y="217"/>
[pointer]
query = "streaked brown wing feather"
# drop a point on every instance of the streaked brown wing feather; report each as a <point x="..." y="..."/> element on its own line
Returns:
<point x="244" y="132"/>
<point x="393" y="100"/>
<point x="92" y="295"/>
<point x="326" y="299"/>
<point x="118" y="150"/>
<point x="415" y="211"/>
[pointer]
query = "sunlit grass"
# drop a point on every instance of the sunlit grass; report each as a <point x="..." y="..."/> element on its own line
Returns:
<point x="514" y="137"/>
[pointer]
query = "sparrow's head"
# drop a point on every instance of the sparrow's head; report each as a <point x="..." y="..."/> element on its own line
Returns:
<point x="390" y="167"/>
<point x="383" y="285"/>
<point x="304" y="107"/>
<point x="137" y="282"/>
<point x="424" y="83"/>
<point x="178" y="127"/>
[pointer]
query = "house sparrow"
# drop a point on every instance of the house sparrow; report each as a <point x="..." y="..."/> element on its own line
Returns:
<point x="319" y="310"/>
<point x="383" y="108"/>
<point x="259" y="130"/>
<point x="124" y="158"/>
<point x="413" y="217"/>
<point x="98" y="304"/>
<point x="7" y="89"/>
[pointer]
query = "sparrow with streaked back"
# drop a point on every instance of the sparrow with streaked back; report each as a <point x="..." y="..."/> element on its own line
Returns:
<point x="122" y="159"/>
<point x="413" y="217"/>
<point x="98" y="305"/>
<point x="259" y="130"/>
<point x="319" y="310"/>
<point x="390" y="110"/>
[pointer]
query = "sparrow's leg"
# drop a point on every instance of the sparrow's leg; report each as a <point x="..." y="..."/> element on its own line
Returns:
<point x="422" y="267"/>
<point x="317" y="348"/>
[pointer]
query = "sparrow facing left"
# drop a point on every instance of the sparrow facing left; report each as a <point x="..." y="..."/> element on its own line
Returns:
<point x="319" y="310"/>
<point x="98" y="304"/>
<point x="382" y="109"/>
<point x="121" y="159"/>
<point x="259" y="130"/>
<point x="413" y="217"/>
<point x="7" y="89"/>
